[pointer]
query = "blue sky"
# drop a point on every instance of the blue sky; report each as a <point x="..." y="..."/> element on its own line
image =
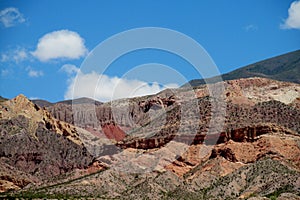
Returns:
<point x="35" y="37"/>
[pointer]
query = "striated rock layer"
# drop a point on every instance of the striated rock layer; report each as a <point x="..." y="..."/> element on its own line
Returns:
<point x="36" y="144"/>
<point x="172" y="145"/>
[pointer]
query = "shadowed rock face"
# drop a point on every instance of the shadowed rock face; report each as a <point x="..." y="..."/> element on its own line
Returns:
<point x="112" y="120"/>
<point x="246" y="134"/>
<point x="46" y="154"/>
<point x="242" y="123"/>
<point x="260" y="133"/>
<point x="35" y="143"/>
<point x="249" y="102"/>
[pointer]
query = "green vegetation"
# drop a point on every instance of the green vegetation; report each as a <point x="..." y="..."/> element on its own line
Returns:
<point x="285" y="189"/>
<point x="283" y="68"/>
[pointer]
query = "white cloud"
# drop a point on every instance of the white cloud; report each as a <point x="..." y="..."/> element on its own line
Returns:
<point x="251" y="27"/>
<point x="293" y="20"/>
<point x="34" y="73"/>
<point x="10" y="17"/>
<point x="110" y="88"/>
<point x="34" y="98"/>
<point x="17" y="55"/>
<point x="60" y="44"/>
<point x="69" y="69"/>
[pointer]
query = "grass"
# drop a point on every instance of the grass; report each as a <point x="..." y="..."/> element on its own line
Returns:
<point x="285" y="189"/>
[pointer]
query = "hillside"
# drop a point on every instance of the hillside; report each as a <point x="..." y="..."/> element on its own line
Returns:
<point x="285" y="67"/>
<point x="153" y="148"/>
<point x="83" y="100"/>
<point x="2" y="99"/>
<point x="36" y="147"/>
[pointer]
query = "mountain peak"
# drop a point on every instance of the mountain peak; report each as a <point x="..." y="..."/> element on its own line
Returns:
<point x="22" y="106"/>
<point x="21" y="98"/>
<point x="19" y="104"/>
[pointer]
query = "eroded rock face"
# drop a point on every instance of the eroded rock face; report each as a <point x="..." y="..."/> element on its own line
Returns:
<point x="113" y="120"/>
<point x="113" y="131"/>
<point x="156" y="103"/>
<point x="249" y="102"/>
<point x="34" y="142"/>
<point x="194" y="176"/>
<point x="45" y="155"/>
<point x="272" y="143"/>
<point x="260" y="134"/>
<point x="242" y="123"/>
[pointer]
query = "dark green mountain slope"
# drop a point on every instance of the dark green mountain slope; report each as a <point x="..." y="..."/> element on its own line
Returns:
<point x="285" y="67"/>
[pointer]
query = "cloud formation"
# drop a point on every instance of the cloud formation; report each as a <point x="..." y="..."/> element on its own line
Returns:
<point x="34" y="73"/>
<point x="60" y="44"/>
<point x="10" y="17"/>
<point x="105" y="88"/>
<point x="69" y="69"/>
<point x="17" y="55"/>
<point x="293" y="20"/>
<point x="250" y="27"/>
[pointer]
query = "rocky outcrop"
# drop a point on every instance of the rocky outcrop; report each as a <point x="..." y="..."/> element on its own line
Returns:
<point x="35" y="143"/>
<point x="249" y="114"/>
<point x="12" y="178"/>
<point x="256" y="152"/>
<point x="156" y="103"/>
<point x="45" y="155"/>
<point x="249" y="102"/>
<point x="110" y="119"/>
<point x="113" y="131"/>
<point x="246" y="134"/>
<point x="242" y="123"/>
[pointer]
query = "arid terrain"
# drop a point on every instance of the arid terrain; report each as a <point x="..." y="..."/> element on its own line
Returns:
<point x="150" y="100"/>
<point x="236" y="139"/>
<point x="144" y="147"/>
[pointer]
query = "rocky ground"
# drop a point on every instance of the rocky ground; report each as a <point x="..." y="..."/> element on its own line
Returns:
<point x="243" y="143"/>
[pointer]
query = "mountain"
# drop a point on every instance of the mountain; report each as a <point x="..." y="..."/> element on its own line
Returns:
<point x="83" y="100"/>
<point x="171" y="145"/>
<point x="42" y="103"/>
<point x="285" y="67"/>
<point x="2" y="99"/>
<point x="36" y="147"/>
<point x="177" y="144"/>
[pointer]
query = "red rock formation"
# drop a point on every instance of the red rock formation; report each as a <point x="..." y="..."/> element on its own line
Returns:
<point x="113" y="131"/>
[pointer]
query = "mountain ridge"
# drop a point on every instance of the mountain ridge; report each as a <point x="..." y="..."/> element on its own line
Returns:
<point x="155" y="147"/>
<point x="284" y="67"/>
<point x="81" y="100"/>
<point x="261" y="131"/>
